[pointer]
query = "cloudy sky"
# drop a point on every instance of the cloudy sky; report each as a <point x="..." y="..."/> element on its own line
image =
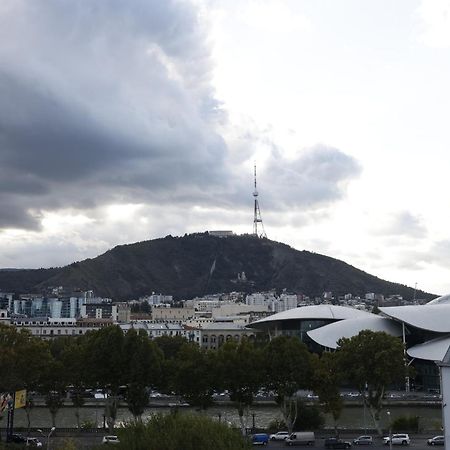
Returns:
<point x="125" y="121"/>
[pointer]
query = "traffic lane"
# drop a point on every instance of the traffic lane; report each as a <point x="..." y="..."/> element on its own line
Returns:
<point x="416" y="444"/>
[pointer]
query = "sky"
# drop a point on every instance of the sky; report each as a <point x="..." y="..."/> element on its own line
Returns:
<point x="127" y="121"/>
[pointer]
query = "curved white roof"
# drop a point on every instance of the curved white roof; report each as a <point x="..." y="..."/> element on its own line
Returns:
<point x="328" y="335"/>
<point x="445" y="299"/>
<point x="427" y="317"/>
<point x="318" y="312"/>
<point x="433" y="350"/>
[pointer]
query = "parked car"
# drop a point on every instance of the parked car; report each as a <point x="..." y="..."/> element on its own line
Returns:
<point x="437" y="440"/>
<point x="33" y="442"/>
<point x="301" y="438"/>
<point x="260" y="439"/>
<point x="17" y="438"/>
<point x="397" y="439"/>
<point x="336" y="443"/>
<point x="279" y="436"/>
<point x="110" y="440"/>
<point x="363" y="440"/>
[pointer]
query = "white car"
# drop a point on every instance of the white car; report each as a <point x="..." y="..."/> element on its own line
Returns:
<point x="110" y="440"/>
<point x="280" y="436"/>
<point x="33" y="442"/>
<point x="397" y="439"/>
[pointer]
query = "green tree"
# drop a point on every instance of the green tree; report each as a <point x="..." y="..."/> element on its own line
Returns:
<point x="194" y="375"/>
<point x="327" y="379"/>
<point x="23" y="361"/>
<point x="242" y="374"/>
<point x="371" y="361"/>
<point x="105" y="363"/>
<point x="73" y="355"/>
<point x="142" y="369"/>
<point x="170" y="345"/>
<point x="288" y="369"/>
<point x="180" y="431"/>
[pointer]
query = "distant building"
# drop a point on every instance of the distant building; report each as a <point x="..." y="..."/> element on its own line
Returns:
<point x="213" y="336"/>
<point x="221" y="233"/>
<point x="171" y="315"/>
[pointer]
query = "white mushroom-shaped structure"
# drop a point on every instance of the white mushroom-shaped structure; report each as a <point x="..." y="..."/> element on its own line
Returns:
<point x="328" y="335"/>
<point x="429" y="317"/>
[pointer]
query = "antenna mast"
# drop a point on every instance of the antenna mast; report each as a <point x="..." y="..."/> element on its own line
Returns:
<point x="257" y="213"/>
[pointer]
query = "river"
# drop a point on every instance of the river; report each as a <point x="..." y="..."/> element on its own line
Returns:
<point x="353" y="417"/>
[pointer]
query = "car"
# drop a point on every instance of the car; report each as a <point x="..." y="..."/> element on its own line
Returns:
<point x="279" y="436"/>
<point x="17" y="438"/>
<point x="110" y="440"/>
<point x="363" y="440"/>
<point x="301" y="438"/>
<point x="260" y="439"/>
<point x="336" y="443"/>
<point x="33" y="442"/>
<point x="436" y="440"/>
<point x="397" y="439"/>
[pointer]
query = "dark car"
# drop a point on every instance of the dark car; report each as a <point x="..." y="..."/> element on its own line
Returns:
<point x="17" y="439"/>
<point x="337" y="443"/>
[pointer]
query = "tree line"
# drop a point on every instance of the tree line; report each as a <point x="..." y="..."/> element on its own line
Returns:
<point x="116" y="362"/>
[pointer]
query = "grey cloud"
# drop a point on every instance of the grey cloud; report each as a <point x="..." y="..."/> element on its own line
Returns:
<point x="112" y="101"/>
<point x="103" y="101"/>
<point x="317" y="176"/>
<point x="403" y="224"/>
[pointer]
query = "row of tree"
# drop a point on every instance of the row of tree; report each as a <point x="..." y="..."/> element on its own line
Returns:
<point x="111" y="360"/>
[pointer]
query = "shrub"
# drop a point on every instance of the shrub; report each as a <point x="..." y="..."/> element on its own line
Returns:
<point x="176" y="431"/>
<point x="276" y="425"/>
<point x="406" y="423"/>
<point x="308" y="418"/>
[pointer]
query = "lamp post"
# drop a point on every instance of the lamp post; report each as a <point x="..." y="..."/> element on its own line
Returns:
<point x="390" y="429"/>
<point x="48" y="436"/>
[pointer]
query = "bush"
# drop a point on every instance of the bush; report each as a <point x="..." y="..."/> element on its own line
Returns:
<point x="308" y="418"/>
<point x="180" y="431"/>
<point x="406" y="423"/>
<point x="276" y="425"/>
<point x="88" y="424"/>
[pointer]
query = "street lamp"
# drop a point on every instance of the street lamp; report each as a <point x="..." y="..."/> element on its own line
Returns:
<point x="48" y="436"/>
<point x="390" y="429"/>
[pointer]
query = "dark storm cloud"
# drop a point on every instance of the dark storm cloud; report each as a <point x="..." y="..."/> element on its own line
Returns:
<point x="103" y="101"/>
<point x="112" y="101"/>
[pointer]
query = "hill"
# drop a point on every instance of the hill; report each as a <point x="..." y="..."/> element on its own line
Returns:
<point x="198" y="264"/>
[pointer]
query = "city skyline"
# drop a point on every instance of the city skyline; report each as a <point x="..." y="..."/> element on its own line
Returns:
<point x="122" y="122"/>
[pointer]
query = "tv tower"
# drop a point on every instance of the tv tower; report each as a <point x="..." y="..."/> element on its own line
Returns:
<point x="257" y="214"/>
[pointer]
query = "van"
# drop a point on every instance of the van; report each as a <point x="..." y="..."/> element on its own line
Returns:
<point x="260" y="439"/>
<point x="301" y="438"/>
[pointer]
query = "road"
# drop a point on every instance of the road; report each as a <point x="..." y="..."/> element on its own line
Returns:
<point x="417" y="443"/>
<point x="86" y="441"/>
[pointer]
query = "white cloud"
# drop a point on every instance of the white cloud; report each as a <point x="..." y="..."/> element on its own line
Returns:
<point x="434" y="17"/>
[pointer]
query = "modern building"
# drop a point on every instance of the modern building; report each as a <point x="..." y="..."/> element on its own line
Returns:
<point x="424" y="329"/>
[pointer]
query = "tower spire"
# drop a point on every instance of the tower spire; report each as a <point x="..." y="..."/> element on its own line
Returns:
<point x="257" y="213"/>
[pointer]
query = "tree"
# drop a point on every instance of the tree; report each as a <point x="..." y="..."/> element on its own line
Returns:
<point x="73" y="355"/>
<point x="105" y="362"/>
<point x="371" y="361"/>
<point x="180" y="431"/>
<point x="23" y="360"/>
<point x="241" y="368"/>
<point x="288" y="369"/>
<point x="327" y="379"/>
<point x="170" y="345"/>
<point x="194" y="375"/>
<point x="142" y="369"/>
